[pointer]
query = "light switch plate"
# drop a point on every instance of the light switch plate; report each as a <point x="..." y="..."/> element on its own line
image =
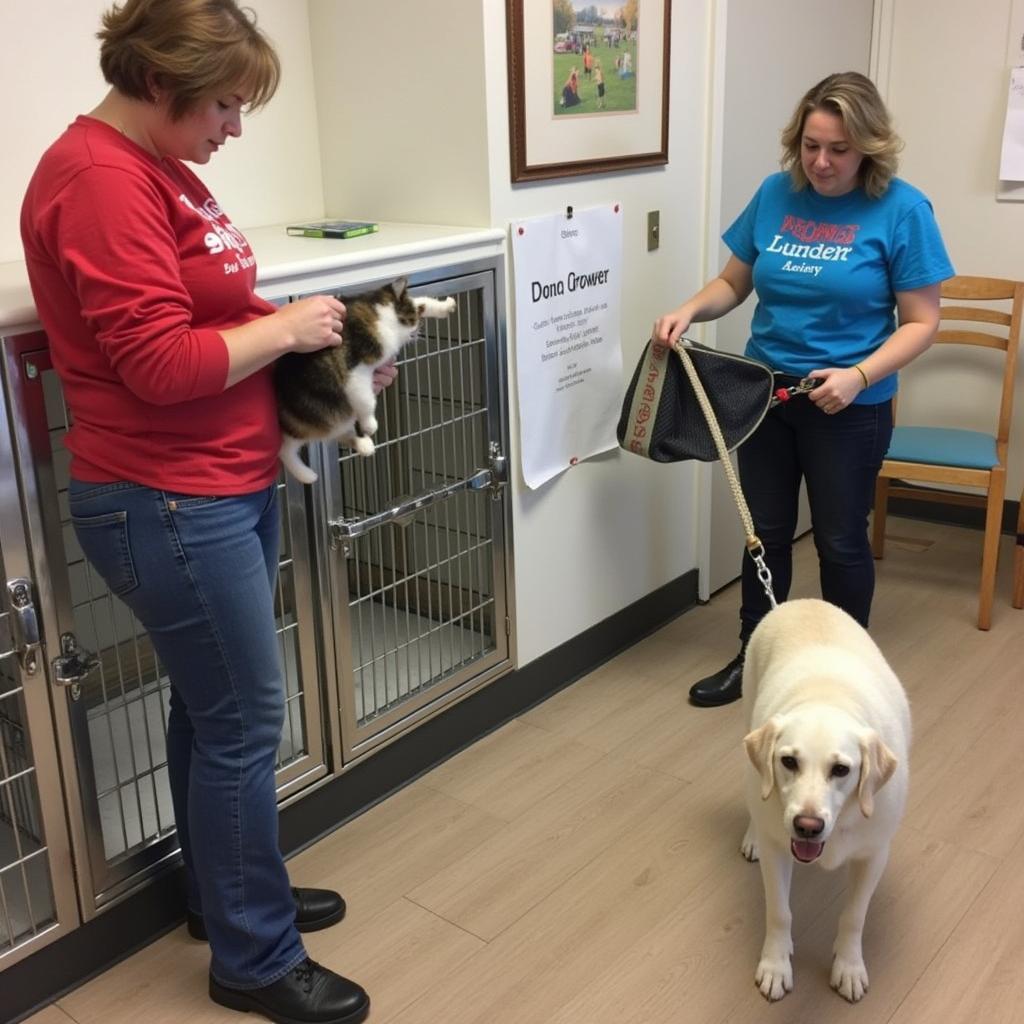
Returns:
<point x="653" y="229"/>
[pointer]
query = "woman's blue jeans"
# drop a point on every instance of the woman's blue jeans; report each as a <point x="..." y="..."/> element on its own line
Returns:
<point x="199" y="572"/>
<point x="839" y="457"/>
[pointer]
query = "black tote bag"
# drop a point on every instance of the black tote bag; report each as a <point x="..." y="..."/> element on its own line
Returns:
<point x="661" y="417"/>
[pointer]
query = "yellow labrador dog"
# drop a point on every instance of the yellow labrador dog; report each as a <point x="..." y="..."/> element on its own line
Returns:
<point x="827" y="781"/>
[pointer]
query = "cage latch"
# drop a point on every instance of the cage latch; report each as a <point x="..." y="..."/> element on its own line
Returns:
<point x="24" y="624"/>
<point x="342" y="530"/>
<point x="73" y="664"/>
<point x="499" y="470"/>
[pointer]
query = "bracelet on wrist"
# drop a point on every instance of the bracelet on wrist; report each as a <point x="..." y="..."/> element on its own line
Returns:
<point x="863" y="375"/>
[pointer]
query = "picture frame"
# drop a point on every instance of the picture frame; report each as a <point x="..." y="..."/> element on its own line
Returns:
<point x="592" y="123"/>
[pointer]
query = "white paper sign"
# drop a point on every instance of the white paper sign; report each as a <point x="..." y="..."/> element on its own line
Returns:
<point x="568" y="274"/>
<point x="1011" y="163"/>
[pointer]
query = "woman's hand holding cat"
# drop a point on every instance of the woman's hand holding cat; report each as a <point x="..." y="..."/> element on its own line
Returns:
<point x="384" y="376"/>
<point x="305" y="325"/>
<point x="314" y="322"/>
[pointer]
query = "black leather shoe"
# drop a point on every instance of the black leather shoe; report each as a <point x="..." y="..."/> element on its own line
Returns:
<point x="308" y="994"/>
<point x="314" y="909"/>
<point x="725" y="686"/>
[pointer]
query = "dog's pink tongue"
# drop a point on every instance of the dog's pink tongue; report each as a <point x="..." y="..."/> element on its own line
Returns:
<point x="806" y="850"/>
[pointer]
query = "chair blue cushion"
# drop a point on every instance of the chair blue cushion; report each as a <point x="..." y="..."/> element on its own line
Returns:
<point x="940" y="446"/>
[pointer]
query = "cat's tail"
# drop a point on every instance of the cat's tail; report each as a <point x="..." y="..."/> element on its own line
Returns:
<point x="289" y="456"/>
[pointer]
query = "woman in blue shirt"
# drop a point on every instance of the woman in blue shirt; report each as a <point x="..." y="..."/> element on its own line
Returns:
<point x="846" y="262"/>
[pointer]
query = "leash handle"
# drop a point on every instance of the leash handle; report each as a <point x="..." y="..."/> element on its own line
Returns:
<point x="806" y="384"/>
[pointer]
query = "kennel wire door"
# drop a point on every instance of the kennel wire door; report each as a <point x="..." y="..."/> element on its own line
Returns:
<point x="37" y="893"/>
<point x="110" y="691"/>
<point x="415" y="536"/>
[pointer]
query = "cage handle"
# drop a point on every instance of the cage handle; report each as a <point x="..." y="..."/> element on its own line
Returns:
<point x="494" y="477"/>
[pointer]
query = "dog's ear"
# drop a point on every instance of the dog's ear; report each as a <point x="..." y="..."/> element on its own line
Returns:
<point x="877" y="764"/>
<point x="760" y="747"/>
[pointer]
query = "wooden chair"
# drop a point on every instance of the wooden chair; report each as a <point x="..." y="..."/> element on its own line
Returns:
<point x="953" y="458"/>
<point x="1018" y="558"/>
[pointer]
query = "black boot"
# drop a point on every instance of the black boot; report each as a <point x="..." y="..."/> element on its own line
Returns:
<point x="308" y="994"/>
<point x="314" y="909"/>
<point x="723" y="687"/>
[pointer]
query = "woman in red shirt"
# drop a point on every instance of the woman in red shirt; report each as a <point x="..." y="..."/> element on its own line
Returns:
<point x="146" y="291"/>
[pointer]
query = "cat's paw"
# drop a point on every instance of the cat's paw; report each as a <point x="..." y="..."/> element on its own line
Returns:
<point x="303" y="474"/>
<point x="368" y="425"/>
<point x="364" y="446"/>
<point x="450" y="304"/>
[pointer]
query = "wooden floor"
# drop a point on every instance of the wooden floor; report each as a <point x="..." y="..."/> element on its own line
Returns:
<point x="581" y="865"/>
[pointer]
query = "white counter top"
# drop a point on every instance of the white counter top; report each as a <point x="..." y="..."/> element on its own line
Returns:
<point x="286" y="264"/>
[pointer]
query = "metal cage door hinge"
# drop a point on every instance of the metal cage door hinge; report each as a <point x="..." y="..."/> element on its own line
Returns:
<point x="24" y="624"/>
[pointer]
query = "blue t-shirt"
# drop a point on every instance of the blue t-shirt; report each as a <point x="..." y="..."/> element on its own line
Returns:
<point x="826" y="271"/>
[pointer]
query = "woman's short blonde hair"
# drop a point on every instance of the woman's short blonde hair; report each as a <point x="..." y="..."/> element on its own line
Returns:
<point x="191" y="50"/>
<point x="866" y="122"/>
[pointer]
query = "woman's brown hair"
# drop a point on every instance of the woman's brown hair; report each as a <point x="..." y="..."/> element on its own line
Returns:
<point x="190" y="49"/>
<point x="854" y="98"/>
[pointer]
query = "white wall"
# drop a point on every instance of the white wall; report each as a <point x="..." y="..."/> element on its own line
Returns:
<point x="612" y="529"/>
<point x="944" y="73"/>
<point x="49" y="73"/>
<point x="402" y="107"/>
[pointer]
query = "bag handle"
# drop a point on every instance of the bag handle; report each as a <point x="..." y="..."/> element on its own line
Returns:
<point x="753" y="543"/>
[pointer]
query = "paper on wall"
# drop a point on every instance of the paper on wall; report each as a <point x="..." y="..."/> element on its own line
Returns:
<point x="568" y="274"/>
<point x="1011" y="163"/>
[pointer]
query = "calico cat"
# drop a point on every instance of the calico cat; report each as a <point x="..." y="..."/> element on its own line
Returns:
<point x="328" y="394"/>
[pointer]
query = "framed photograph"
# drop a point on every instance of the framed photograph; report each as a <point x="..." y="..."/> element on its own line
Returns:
<point x="587" y="86"/>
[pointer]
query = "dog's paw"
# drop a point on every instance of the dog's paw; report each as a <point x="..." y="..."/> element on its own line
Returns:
<point x="749" y="845"/>
<point x="364" y="446"/>
<point x="849" y="977"/>
<point x="774" y="977"/>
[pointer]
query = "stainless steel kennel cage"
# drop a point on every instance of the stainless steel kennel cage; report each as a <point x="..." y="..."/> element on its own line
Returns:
<point x="391" y="604"/>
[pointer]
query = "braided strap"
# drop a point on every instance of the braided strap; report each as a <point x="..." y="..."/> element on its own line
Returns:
<point x="754" y="546"/>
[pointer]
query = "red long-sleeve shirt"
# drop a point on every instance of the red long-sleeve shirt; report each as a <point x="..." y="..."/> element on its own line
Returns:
<point x="135" y="270"/>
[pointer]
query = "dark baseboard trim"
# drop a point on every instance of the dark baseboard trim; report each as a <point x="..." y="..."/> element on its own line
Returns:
<point x="158" y="907"/>
<point x="954" y="515"/>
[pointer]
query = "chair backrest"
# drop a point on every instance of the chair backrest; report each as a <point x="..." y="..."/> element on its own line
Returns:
<point x="1002" y="328"/>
